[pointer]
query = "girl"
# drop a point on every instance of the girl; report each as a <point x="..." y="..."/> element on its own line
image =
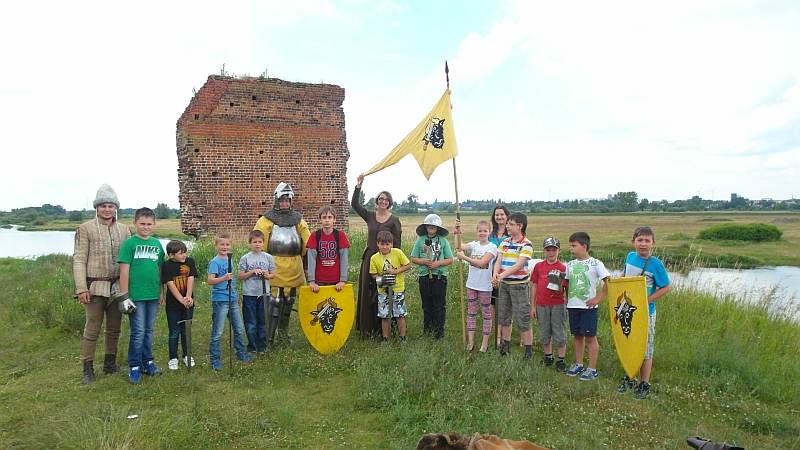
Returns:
<point x="479" y="283"/>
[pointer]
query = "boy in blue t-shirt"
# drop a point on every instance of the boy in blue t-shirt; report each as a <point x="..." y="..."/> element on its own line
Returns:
<point x="224" y="300"/>
<point x="642" y="262"/>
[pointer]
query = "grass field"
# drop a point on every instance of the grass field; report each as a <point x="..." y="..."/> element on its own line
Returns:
<point x="722" y="370"/>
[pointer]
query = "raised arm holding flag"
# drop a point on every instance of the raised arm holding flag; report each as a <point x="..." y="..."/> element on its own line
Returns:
<point x="432" y="142"/>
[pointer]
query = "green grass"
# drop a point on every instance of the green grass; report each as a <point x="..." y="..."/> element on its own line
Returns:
<point x="723" y="370"/>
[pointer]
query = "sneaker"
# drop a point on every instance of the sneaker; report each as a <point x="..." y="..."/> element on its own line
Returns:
<point x="642" y="390"/>
<point x="245" y="357"/>
<point x="561" y="366"/>
<point x="528" y="353"/>
<point x="216" y="364"/>
<point x="504" y="347"/>
<point x="589" y="375"/>
<point x="626" y="384"/>
<point x="186" y="361"/>
<point x="575" y="370"/>
<point x="547" y="360"/>
<point x="151" y="369"/>
<point x="172" y="364"/>
<point x="135" y="375"/>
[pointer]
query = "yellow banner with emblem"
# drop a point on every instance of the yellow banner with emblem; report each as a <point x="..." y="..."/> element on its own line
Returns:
<point x="432" y="142"/>
<point x="326" y="317"/>
<point x="629" y="320"/>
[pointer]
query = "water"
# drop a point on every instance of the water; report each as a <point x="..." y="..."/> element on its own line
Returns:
<point x="780" y="285"/>
<point x="30" y="244"/>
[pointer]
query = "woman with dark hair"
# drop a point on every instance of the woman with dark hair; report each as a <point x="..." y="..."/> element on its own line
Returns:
<point x="379" y="220"/>
<point x="500" y="215"/>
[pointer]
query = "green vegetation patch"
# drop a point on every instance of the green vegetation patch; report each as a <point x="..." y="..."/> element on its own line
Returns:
<point x="750" y="232"/>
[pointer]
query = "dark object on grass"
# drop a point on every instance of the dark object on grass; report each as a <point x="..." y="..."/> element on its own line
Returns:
<point x="455" y="441"/>
<point x="703" y="444"/>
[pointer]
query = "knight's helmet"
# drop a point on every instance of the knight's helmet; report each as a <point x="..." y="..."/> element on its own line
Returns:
<point x="283" y="189"/>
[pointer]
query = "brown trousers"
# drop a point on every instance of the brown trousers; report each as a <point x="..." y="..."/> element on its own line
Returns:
<point x="95" y="310"/>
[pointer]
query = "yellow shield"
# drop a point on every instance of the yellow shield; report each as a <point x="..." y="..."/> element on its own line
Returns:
<point x="327" y="317"/>
<point x="629" y="319"/>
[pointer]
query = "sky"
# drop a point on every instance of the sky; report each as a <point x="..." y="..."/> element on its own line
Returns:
<point x="551" y="100"/>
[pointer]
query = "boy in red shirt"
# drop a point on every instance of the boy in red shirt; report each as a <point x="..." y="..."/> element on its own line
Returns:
<point x="327" y="255"/>
<point x="547" y="296"/>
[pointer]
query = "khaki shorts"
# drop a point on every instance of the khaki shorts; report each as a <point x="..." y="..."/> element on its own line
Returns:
<point x="514" y="300"/>
<point x="552" y="324"/>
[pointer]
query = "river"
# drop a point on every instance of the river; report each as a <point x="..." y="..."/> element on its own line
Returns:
<point x="779" y="286"/>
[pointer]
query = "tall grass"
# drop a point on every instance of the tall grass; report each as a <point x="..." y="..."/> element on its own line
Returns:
<point x="722" y="369"/>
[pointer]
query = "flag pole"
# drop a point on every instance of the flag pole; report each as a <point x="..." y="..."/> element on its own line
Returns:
<point x="458" y="235"/>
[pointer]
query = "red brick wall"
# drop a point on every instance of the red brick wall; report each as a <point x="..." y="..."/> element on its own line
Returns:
<point x="239" y="138"/>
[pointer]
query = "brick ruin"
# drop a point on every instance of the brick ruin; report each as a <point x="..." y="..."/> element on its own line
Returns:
<point x="240" y="137"/>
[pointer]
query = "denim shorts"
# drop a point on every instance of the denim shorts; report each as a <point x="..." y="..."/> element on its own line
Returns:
<point x="398" y="305"/>
<point x="583" y="322"/>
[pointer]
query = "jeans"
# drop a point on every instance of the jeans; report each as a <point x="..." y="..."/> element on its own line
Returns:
<point x="433" y="292"/>
<point x="177" y="329"/>
<point x="140" y="347"/>
<point x="255" y="323"/>
<point x="218" y="313"/>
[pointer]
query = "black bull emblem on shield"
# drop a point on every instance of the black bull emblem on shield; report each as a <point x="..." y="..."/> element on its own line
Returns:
<point x="326" y="315"/>
<point x="434" y="134"/>
<point x="624" y="313"/>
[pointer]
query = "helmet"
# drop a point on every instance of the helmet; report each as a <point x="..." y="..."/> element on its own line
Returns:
<point x="551" y="242"/>
<point x="283" y="189"/>
<point x="435" y="220"/>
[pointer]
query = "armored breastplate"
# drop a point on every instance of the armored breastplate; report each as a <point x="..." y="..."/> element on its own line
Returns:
<point x="284" y="241"/>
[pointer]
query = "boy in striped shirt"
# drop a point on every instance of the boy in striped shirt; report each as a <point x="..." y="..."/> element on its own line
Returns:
<point x="511" y="277"/>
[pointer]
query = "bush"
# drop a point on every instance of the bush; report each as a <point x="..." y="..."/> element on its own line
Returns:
<point x="751" y="232"/>
<point x="75" y="216"/>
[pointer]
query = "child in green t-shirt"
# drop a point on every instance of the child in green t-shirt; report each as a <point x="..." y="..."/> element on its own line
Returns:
<point x="140" y="259"/>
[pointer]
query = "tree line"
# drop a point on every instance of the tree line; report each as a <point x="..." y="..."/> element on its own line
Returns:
<point x="40" y="215"/>
<point x="616" y="203"/>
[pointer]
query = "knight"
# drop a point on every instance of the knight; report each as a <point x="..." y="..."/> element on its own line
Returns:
<point x="285" y="235"/>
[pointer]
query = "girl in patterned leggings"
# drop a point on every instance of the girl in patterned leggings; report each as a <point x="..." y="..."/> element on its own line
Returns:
<point x="479" y="282"/>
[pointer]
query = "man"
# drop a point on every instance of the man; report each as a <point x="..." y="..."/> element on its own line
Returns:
<point x="96" y="272"/>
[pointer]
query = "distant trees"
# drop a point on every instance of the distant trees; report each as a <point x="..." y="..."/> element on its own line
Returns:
<point x="162" y="211"/>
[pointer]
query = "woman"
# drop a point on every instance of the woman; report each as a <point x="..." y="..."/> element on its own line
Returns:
<point x="96" y="272"/>
<point x="381" y="219"/>
<point x="499" y="232"/>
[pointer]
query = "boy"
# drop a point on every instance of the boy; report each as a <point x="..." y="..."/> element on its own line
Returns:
<point x="642" y="262"/>
<point x="178" y="273"/>
<point x="584" y="274"/>
<point x="327" y="253"/>
<point x="511" y="279"/>
<point x="387" y="267"/>
<point x="432" y="254"/>
<point x="547" y="294"/>
<point x="140" y="259"/>
<point x="224" y="302"/>
<point x="256" y="268"/>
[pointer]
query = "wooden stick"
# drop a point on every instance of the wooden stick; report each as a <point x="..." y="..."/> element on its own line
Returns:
<point x="460" y="266"/>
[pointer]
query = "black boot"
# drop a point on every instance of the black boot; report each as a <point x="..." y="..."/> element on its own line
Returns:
<point x="88" y="372"/>
<point x="110" y="364"/>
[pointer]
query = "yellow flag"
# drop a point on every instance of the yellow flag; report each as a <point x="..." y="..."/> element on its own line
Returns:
<point x="432" y="142"/>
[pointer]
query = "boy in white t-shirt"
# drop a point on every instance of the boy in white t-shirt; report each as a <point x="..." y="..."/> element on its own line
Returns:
<point x="479" y="282"/>
<point x="584" y="274"/>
